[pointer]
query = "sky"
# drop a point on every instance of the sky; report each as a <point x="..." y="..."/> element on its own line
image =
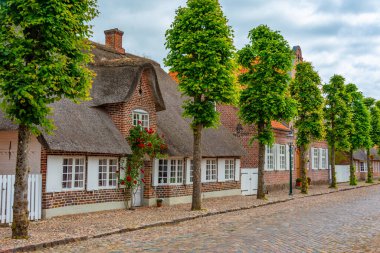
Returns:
<point x="337" y="36"/>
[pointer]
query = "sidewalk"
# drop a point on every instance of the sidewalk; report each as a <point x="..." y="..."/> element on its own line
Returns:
<point x="65" y="229"/>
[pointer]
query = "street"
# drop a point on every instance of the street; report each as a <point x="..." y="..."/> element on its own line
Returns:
<point x="347" y="221"/>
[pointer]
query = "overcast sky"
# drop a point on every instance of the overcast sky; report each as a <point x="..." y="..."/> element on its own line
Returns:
<point x="337" y="36"/>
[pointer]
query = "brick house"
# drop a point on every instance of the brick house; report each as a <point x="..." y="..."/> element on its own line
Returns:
<point x="80" y="161"/>
<point x="276" y="169"/>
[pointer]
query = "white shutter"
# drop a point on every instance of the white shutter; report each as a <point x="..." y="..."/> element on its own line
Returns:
<point x="188" y="164"/>
<point x="122" y="168"/>
<point x="312" y="158"/>
<point x="54" y="173"/>
<point x="221" y="170"/>
<point x="92" y="173"/>
<point x="155" y="172"/>
<point x="365" y="167"/>
<point x="203" y="170"/>
<point x="327" y="158"/>
<point x="320" y="158"/>
<point x="287" y="157"/>
<point x="276" y="156"/>
<point x="237" y="170"/>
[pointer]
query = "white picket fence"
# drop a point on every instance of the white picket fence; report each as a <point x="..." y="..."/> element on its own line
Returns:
<point x="6" y="197"/>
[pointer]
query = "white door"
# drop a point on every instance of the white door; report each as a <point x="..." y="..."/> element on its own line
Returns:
<point x="249" y="179"/>
<point x="342" y="173"/>
<point x="137" y="201"/>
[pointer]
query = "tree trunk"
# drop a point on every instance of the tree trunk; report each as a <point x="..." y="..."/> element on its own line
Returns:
<point x="261" y="183"/>
<point x="369" y="167"/>
<point x="303" y="163"/>
<point x="352" y="169"/>
<point x="20" y="223"/>
<point x="197" y="158"/>
<point x="333" y="176"/>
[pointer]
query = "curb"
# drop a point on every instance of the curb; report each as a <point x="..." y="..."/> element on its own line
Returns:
<point x="64" y="241"/>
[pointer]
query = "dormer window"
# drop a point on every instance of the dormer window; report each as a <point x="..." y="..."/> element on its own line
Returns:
<point x="142" y="116"/>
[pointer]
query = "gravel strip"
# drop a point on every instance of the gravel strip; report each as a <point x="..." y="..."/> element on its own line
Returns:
<point x="66" y="229"/>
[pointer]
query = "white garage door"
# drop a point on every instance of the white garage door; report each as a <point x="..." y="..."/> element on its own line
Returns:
<point x="342" y="173"/>
<point x="249" y="181"/>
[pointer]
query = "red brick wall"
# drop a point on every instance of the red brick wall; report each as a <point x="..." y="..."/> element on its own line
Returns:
<point x="121" y="113"/>
<point x="71" y="198"/>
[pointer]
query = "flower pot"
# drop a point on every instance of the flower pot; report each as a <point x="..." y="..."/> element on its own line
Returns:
<point x="159" y="202"/>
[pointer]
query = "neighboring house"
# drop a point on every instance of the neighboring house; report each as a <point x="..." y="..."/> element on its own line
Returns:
<point x="360" y="162"/>
<point x="80" y="161"/>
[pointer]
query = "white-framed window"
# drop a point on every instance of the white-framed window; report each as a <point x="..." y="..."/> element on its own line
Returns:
<point x="229" y="169"/>
<point x="170" y="171"/>
<point x="362" y="167"/>
<point x="269" y="158"/>
<point x="324" y="158"/>
<point x="73" y="173"/>
<point x="211" y="170"/>
<point x="107" y="176"/>
<point x="142" y="116"/>
<point x="282" y="157"/>
<point x="191" y="169"/>
<point x="315" y="158"/>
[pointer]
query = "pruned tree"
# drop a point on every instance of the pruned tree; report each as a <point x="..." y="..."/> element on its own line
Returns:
<point x="200" y="45"/>
<point x="309" y="123"/>
<point x="360" y="130"/>
<point x="44" y="53"/>
<point x="374" y="109"/>
<point x="337" y="119"/>
<point x="265" y="97"/>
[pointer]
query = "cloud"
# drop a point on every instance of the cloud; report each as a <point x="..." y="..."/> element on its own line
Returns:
<point x="337" y="36"/>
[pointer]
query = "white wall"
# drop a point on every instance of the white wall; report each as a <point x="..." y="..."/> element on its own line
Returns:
<point x="8" y="153"/>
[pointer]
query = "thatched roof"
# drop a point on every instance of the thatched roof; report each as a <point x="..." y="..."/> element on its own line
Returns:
<point x="361" y="154"/>
<point x="177" y="132"/>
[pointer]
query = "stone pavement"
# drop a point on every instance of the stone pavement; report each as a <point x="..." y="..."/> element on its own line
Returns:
<point x="348" y="221"/>
<point x="65" y="229"/>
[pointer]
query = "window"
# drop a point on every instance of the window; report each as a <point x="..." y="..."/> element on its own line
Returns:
<point x="142" y="116"/>
<point x="229" y="169"/>
<point x="107" y="176"/>
<point x="324" y="158"/>
<point x="269" y="158"/>
<point x="210" y="170"/>
<point x="191" y="169"/>
<point x="315" y="158"/>
<point x="73" y="173"/>
<point x="362" y="167"/>
<point x="282" y="157"/>
<point x="172" y="174"/>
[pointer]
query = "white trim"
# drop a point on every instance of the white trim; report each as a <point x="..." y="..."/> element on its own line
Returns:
<point x="211" y="170"/>
<point x="237" y="169"/>
<point x="169" y="171"/>
<point x="140" y="113"/>
<point x="108" y="173"/>
<point x="73" y="174"/>
<point x="221" y="167"/>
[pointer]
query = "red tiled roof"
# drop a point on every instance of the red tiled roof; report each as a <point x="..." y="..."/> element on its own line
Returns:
<point x="278" y="125"/>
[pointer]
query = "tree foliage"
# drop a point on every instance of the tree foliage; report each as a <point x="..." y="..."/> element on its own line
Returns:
<point x="309" y="123"/>
<point x="267" y="61"/>
<point x="200" y="45"/>
<point x="44" y="54"/>
<point x="337" y="118"/>
<point x="359" y="132"/>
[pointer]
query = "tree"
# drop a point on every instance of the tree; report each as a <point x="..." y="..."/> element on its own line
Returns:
<point x="374" y="109"/>
<point x="337" y="119"/>
<point x="267" y="60"/>
<point x="309" y="123"/>
<point x="200" y="45"/>
<point x="359" y="133"/>
<point x="44" y="53"/>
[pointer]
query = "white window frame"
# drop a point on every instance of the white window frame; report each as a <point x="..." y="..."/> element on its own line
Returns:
<point x="211" y="170"/>
<point x="315" y="158"/>
<point x="74" y="165"/>
<point x="269" y="155"/>
<point x="362" y="167"/>
<point x="172" y="168"/>
<point x="108" y="172"/>
<point x="282" y="157"/>
<point x="229" y="169"/>
<point x="138" y="115"/>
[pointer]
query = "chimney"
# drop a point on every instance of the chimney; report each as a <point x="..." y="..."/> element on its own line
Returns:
<point x="114" y="39"/>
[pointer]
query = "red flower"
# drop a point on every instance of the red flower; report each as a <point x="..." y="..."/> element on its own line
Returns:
<point x="129" y="178"/>
<point x="139" y="122"/>
<point x="143" y="180"/>
<point x="142" y="171"/>
<point x="135" y="182"/>
<point x="141" y="145"/>
<point x="129" y="169"/>
<point x="122" y="182"/>
<point x="149" y="144"/>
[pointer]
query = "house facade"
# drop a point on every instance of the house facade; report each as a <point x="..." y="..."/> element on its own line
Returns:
<point x="80" y="161"/>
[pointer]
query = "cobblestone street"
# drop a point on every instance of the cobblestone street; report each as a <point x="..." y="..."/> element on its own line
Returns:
<point x="347" y="221"/>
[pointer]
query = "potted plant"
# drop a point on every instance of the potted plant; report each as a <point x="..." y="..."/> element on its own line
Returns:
<point x="298" y="182"/>
<point x="308" y="180"/>
<point x="159" y="202"/>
